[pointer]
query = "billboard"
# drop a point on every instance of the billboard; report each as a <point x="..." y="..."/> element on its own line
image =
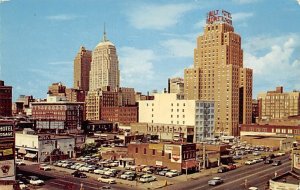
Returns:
<point x="175" y="151"/>
<point x="6" y="150"/>
<point x="7" y="168"/>
<point x="50" y="124"/>
<point x="157" y="147"/>
<point x="6" y="131"/>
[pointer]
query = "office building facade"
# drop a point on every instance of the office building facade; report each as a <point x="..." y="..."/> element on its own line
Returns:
<point x="218" y="74"/>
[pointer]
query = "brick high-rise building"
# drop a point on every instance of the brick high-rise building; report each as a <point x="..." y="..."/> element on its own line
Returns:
<point x="57" y="89"/>
<point x="82" y="66"/>
<point x="218" y="74"/>
<point x="278" y="104"/>
<point x="5" y="99"/>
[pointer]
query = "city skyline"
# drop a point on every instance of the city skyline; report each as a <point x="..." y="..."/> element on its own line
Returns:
<point x="154" y="41"/>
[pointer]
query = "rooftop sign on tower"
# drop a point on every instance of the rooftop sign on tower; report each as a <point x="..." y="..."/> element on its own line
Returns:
<point x="218" y="16"/>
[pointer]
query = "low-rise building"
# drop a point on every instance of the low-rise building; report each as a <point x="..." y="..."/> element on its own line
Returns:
<point x="180" y="157"/>
<point x="45" y="147"/>
<point x="271" y="130"/>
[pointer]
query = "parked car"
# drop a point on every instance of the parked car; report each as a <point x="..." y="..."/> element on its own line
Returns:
<point x="22" y="185"/>
<point x="268" y="161"/>
<point x="231" y="166"/>
<point x="79" y="174"/>
<point x="22" y="178"/>
<point x="99" y="171"/>
<point x="249" y="162"/>
<point x="106" y="179"/>
<point x="223" y="169"/>
<point x="33" y="180"/>
<point x="215" y="181"/>
<point x="44" y="167"/>
<point x="127" y="175"/>
<point x="163" y="172"/>
<point x="147" y="178"/>
<point x="105" y="187"/>
<point x="20" y="162"/>
<point x="276" y="163"/>
<point x="280" y="154"/>
<point x="253" y="188"/>
<point x="171" y="174"/>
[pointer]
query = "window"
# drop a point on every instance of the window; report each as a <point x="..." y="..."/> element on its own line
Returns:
<point x="136" y="150"/>
<point x="162" y="153"/>
<point x="153" y="152"/>
<point x="145" y="151"/>
<point x="169" y="155"/>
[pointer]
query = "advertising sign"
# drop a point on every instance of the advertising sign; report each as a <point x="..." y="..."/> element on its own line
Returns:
<point x="6" y="150"/>
<point x="217" y="16"/>
<point x="6" y="131"/>
<point x="175" y="151"/>
<point x="158" y="163"/>
<point x="7" y="168"/>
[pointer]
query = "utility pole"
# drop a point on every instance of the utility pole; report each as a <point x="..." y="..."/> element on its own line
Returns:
<point x="204" y="156"/>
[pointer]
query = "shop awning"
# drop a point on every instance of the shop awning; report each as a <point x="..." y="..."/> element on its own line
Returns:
<point x="212" y="160"/>
<point x="30" y="155"/>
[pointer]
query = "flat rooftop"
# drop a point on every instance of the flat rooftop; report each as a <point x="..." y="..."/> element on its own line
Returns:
<point x="288" y="177"/>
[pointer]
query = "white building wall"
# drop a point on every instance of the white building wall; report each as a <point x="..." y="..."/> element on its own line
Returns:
<point x="27" y="140"/>
<point x="165" y="108"/>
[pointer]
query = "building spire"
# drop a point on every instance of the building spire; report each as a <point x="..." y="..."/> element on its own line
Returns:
<point x="104" y="39"/>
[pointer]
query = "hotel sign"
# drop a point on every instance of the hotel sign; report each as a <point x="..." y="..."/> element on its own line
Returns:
<point x="6" y="131"/>
<point x="218" y="16"/>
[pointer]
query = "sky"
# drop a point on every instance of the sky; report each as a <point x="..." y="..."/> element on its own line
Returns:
<point x="155" y="40"/>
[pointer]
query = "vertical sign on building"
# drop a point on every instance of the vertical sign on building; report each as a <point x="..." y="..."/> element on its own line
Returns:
<point x="7" y="154"/>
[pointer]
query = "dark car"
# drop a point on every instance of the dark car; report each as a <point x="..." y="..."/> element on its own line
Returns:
<point x="79" y="174"/>
<point x="22" y="178"/>
<point x="268" y="161"/>
<point x="223" y="169"/>
<point x="276" y="163"/>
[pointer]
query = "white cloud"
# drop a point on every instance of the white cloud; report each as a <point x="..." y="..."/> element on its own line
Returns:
<point x="136" y="66"/>
<point x="3" y="1"/>
<point x="63" y="17"/>
<point x="244" y="1"/>
<point x="179" y="47"/>
<point x="241" y="16"/>
<point x="276" y="65"/>
<point x="158" y="17"/>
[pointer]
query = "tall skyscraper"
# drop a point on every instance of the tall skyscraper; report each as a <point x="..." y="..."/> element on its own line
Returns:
<point x="105" y="66"/>
<point x="218" y="74"/>
<point x="82" y="66"/>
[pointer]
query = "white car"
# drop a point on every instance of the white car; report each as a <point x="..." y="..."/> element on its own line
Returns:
<point x="22" y="185"/>
<point x="78" y="166"/>
<point x="172" y="173"/>
<point x="20" y="162"/>
<point x="147" y="178"/>
<point x="106" y="179"/>
<point x="44" y="167"/>
<point x="33" y="180"/>
<point x="126" y="175"/>
<point x="98" y="171"/>
<point x="61" y="163"/>
<point x="249" y="162"/>
<point x="74" y="166"/>
<point x="215" y="181"/>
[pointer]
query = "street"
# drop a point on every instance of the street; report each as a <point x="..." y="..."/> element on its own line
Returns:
<point x="56" y="180"/>
<point x="255" y="175"/>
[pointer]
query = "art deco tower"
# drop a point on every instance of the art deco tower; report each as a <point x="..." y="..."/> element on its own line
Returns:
<point x="218" y="74"/>
<point x="82" y="65"/>
<point x="105" y="66"/>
